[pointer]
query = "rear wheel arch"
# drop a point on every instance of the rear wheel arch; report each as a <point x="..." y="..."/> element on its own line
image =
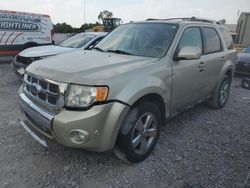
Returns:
<point x="229" y="73"/>
<point x="215" y="101"/>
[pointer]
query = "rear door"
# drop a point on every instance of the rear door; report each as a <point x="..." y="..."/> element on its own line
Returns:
<point x="214" y="57"/>
<point x="188" y="75"/>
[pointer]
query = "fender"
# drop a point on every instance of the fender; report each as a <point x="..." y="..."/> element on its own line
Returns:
<point x="143" y="86"/>
<point x="134" y="91"/>
<point x="228" y="65"/>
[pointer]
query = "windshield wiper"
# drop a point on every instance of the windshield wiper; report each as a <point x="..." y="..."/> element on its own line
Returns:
<point x="119" y="52"/>
<point x="99" y="49"/>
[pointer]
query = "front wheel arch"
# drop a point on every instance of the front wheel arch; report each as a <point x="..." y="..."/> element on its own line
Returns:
<point x="124" y="145"/>
<point x="155" y="99"/>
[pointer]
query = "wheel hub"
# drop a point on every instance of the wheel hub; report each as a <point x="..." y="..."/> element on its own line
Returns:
<point x="224" y="92"/>
<point x="144" y="133"/>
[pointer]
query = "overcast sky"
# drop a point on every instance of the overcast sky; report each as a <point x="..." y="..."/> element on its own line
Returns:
<point x="72" y="11"/>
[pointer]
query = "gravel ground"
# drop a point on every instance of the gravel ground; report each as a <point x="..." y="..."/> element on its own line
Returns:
<point x="199" y="148"/>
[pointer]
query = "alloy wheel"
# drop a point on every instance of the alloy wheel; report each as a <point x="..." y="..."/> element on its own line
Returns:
<point x="144" y="133"/>
<point x="224" y="91"/>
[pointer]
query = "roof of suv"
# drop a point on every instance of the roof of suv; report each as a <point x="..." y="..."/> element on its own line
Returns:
<point x="184" y="20"/>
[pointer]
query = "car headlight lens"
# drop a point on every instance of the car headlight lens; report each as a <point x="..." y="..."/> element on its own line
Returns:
<point x="83" y="96"/>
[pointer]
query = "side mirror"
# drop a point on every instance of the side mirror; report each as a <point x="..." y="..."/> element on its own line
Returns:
<point x="189" y="53"/>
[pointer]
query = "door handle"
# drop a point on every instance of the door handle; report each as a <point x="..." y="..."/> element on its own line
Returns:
<point x="223" y="59"/>
<point x="201" y="65"/>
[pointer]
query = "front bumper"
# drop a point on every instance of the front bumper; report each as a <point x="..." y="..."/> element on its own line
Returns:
<point x="33" y="134"/>
<point x="100" y="124"/>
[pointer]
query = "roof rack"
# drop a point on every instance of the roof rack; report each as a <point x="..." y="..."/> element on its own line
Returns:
<point x="188" y="19"/>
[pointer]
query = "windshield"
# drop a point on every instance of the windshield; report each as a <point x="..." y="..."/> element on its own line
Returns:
<point x="140" y="39"/>
<point x="247" y="50"/>
<point x="77" y="41"/>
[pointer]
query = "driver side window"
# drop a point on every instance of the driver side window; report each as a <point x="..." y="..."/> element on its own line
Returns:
<point x="191" y="37"/>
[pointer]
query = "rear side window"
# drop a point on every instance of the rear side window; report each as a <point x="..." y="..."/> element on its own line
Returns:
<point x="191" y="37"/>
<point x="212" y="40"/>
<point x="227" y="38"/>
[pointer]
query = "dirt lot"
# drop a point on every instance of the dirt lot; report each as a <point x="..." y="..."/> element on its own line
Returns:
<point x="199" y="148"/>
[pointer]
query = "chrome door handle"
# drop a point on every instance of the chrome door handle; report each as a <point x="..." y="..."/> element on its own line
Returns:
<point x="223" y="59"/>
<point x="201" y="65"/>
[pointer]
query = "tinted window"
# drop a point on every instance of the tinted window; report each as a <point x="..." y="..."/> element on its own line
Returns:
<point x="227" y="38"/>
<point x="212" y="40"/>
<point x="191" y="37"/>
<point x="140" y="39"/>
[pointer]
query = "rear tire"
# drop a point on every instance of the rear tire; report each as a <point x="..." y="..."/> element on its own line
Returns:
<point x="139" y="132"/>
<point x="221" y="93"/>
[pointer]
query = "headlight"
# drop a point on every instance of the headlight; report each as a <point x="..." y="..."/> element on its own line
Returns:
<point x="83" y="96"/>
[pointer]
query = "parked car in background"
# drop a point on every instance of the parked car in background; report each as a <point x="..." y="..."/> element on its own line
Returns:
<point x="243" y="62"/>
<point x="21" y="30"/>
<point x="81" y="41"/>
<point x="59" y="37"/>
<point x="120" y="93"/>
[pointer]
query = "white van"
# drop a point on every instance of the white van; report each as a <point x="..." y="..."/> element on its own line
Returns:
<point x="21" y="30"/>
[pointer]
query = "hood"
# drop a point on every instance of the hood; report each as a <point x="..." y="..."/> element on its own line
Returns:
<point x="243" y="57"/>
<point x="45" y="51"/>
<point x="86" y="67"/>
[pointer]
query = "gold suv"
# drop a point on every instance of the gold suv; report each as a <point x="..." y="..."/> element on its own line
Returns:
<point x="123" y="90"/>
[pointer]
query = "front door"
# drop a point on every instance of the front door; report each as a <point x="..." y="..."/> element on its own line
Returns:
<point x="188" y="75"/>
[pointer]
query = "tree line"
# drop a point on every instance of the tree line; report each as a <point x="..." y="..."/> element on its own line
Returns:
<point x="66" y="28"/>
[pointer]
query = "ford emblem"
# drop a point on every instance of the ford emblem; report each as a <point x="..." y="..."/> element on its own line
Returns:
<point x="35" y="88"/>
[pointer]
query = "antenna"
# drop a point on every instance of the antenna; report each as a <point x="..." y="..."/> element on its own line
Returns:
<point x="84" y="9"/>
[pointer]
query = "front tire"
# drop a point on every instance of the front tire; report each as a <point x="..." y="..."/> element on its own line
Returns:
<point x="140" y="131"/>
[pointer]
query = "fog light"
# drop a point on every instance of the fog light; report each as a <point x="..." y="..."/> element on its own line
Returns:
<point x="78" y="136"/>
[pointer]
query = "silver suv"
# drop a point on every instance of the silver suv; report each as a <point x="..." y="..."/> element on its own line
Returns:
<point x="120" y="93"/>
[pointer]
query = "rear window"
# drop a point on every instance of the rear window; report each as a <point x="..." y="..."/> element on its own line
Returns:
<point x="227" y="38"/>
<point x="212" y="40"/>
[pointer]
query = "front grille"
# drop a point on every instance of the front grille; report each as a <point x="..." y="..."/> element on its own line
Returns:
<point x="26" y="60"/>
<point x="42" y="90"/>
